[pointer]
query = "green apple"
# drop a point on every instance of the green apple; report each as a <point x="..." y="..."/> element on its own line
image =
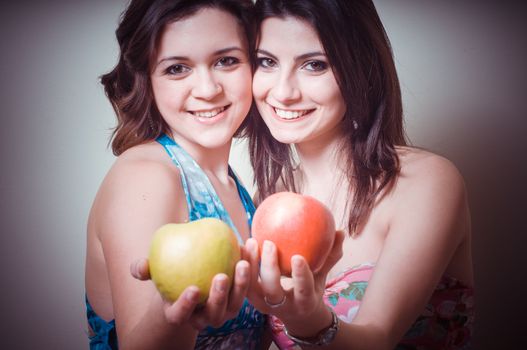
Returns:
<point x="192" y="253"/>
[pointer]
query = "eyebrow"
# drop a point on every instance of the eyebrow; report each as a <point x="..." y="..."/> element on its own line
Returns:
<point x="297" y="58"/>
<point x="215" y="53"/>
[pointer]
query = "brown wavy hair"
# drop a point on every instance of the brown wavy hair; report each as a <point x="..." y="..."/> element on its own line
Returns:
<point x="360" y="56"/>
<point x="128" y="85"/>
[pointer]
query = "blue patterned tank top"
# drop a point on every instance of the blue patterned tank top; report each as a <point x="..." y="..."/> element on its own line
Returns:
<point x="243" y="332"/>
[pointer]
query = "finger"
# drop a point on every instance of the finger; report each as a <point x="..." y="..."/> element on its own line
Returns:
<point x="181" y="310"/>
<point x="216" y="303"/>
<point x="252" y="256"/>
<point x="270" y="274"/>
<point x="255" y="293"/>
<point x="303" y="282"/>
<point x="246" y="250"/>
<point x="334" y="255"/>
<point x="140" y="269"/>
<point x="239" y="289"/>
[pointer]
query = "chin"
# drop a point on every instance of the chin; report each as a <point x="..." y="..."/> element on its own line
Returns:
<point x="286" y="137"/>
<point x="214" y="141"/>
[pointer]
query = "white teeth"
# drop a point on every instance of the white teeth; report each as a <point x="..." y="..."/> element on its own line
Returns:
<point x="209" y="114"/>
<point x="290" y="114"/>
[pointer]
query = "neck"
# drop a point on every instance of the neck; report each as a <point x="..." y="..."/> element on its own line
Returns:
<point x="213" y="161"/>
<point x="323" y="175"/>
<point x="321" y="166"/>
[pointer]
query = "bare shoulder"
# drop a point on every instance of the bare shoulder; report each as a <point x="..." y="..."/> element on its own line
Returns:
<point x="144" y="166"/>
<point x="142" y="179"/>
<point x="428" y="170"/>
<point x="430" y="187"/>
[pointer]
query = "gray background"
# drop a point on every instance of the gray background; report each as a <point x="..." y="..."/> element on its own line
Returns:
<point x="462" y="69"/>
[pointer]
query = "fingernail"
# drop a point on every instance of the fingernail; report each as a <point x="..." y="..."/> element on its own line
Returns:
<point x="267" y="246"/>
<point x="244" y="271"/>
<point x="192" y="294"/>
<point x="220" y="284"/>
<point x="297" y="262"/>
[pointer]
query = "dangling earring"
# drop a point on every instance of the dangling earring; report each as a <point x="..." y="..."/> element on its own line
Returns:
<point x="355" y="124"/>
<point x="151" y="123"/>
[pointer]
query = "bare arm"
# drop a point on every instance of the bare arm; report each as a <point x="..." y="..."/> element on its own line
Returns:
<point x="429" y="221"/>
<point x="136" y="198"/>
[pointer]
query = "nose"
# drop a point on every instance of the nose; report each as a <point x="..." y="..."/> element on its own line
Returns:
<point x="286" y="89"/>
<point x="206" y="85"/>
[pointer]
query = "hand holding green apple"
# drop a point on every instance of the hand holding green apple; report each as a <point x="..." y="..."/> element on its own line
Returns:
<point x="191" y="254"/>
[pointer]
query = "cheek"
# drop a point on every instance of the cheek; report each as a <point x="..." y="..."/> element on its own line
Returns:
<point x="241" y="86"/>
<point x="333" y="99"/>
<point x="337" y="103"/>
<point x="261" y="85"/>
<point x="326" y="92"/>
<point x="167" y="96"/>
<point x="159" y="98"/>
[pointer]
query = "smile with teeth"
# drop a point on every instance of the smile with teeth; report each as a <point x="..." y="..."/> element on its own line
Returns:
<point x="289" y="115"/>
<point x="210" y="113"/>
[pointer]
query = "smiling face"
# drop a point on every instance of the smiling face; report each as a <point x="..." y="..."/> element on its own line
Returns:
<point x="294" y="87"/>
<point x="201" y="78"/>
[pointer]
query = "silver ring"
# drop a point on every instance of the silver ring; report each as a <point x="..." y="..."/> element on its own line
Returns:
<point x="275" y="305"/>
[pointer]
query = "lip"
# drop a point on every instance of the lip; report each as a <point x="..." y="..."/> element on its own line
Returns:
<point x="202" y="115"/>
<point x="292" y="115"/>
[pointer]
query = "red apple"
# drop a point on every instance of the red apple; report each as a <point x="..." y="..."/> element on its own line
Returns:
<point x="296" y="224"/>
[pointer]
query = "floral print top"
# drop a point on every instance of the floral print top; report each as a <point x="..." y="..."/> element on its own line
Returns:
<point x="446" y="322"/>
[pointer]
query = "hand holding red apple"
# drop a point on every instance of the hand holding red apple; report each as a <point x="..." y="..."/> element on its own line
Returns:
<point x="301" y="242"/>
<point x="297" y="298"/>
<point x="296" y="224"/>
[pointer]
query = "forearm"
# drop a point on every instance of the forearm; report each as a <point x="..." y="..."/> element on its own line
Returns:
<point x="348" y="336"/>
<point x="360" y="337"/>
<point x="158" y="338"/>
<point x="153" y="331"/>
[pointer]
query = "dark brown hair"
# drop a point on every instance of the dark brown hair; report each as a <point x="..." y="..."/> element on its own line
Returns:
<point x="361" y="58"/>
<point x="128" y="85"/>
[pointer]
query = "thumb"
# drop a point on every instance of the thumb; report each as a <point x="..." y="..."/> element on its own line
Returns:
<point x="140" y="269"/>
<point x="335" y="254"/>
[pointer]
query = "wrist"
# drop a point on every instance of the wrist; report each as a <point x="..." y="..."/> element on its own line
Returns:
<point x="313" y="332"/>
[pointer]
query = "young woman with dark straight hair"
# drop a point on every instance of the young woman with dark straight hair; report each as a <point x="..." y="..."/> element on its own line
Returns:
<point x="329" y="124"/>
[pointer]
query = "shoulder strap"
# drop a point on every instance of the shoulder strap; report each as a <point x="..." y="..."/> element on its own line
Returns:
<point x="167" y="142"/>
<point x="202" y="199"/>
<point x="247" y="201"/>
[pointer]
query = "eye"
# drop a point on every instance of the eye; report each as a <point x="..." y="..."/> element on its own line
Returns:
<point x="227" y="61"/>
<point x="177" y="69"/>
<point x="266" y="62"/>
<point x="315" y="66"/>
